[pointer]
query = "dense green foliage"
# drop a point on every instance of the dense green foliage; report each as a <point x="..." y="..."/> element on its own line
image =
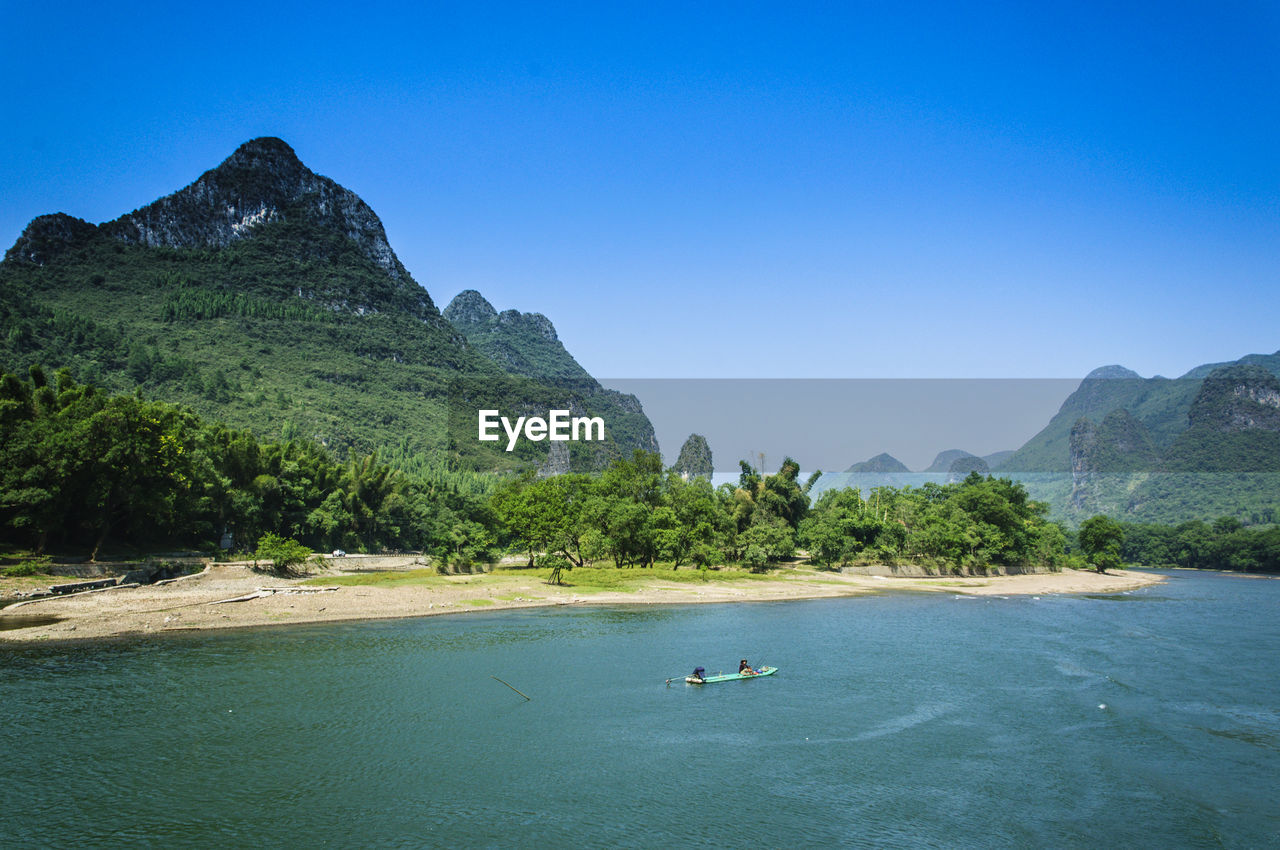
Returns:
<point x="1225" y="544"/>
<point x="1101" y="539"/>
<point x="967" y="525"/>
<point x="193" y="302"/>
<point x="212" y="330"/>
<point x="634" y="513"/>
<point x="283" y="555"/>
<point x="1176" y="497"/>
<point x="79" y="468"/>
<point x="1203" y="450"/>
<point x="637" y="514"/>
<point x="292" y="334"/>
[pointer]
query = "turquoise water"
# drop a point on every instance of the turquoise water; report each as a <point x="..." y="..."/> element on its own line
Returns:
<point x="1150" y="718"/>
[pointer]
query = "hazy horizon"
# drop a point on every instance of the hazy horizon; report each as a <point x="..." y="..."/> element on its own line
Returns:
<point x="832" y="424"/>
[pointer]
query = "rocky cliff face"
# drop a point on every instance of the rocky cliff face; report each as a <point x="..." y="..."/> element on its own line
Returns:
<point x="1103" y="390"/>
<point x="1233" y="424"/>
<point x="1084" y="436"/>
<point x="526" y="344"/>
<point x="534" y="323"/>
<point x="46" y="236"/>
<point x="471" y="312"/>
<point x="263" y="181"/>
<point x="695" y="458"/>
<point x="521" y="343"/>
<point x="558" y="461"/>
<point x="1239" y="397"/>
<point x="469" y="308"/>
<point x="1120" y="445"/>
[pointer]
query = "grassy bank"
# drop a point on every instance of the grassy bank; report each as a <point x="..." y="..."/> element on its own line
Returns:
<point x="582" y="579"/>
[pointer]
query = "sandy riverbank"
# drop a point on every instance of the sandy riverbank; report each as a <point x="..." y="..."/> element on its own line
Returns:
<point x="194" y="603"/>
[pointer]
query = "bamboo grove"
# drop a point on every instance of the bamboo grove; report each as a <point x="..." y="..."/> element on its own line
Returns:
<point x="80" y="469"/>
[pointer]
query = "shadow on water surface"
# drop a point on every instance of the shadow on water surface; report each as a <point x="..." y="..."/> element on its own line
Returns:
<point x="1128" y="597"/>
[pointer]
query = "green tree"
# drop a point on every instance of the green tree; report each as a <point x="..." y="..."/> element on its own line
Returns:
<point x="557" y="565"/>
<point x="1101" y="539"/>
<point x="782" y="496"/>
<point x="285" y="555"/>
<point x="772" y="536"/>
<point x="691" y="523"/>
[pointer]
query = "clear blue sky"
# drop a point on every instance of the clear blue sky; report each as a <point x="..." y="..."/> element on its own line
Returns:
<point x="724" y="189"/>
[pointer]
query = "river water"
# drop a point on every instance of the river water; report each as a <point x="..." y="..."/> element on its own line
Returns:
<point x="1149" y="718"/>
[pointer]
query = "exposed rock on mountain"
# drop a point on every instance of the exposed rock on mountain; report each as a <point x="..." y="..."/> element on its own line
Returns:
<point x="1102" y="391"/>
<point x="522" y="343"/>
<point x="695" y="458"/>
<point x="1121" y="445"/>
<point x="527" y="344"/>
<point x="470" y="308"/>
<point x="1234" y="424"/>
<point x="1239" y="397"/>
<point x="263" y="181"/>
<point x="558" y="461"/>
<point x="1162" y="405"/>
<point x="267" y="297"/>
<point x="262" y="191"/>
<point x="46" y="236"/>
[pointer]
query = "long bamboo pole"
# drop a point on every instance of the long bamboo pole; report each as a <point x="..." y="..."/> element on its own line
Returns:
<point x="514" y="688"/>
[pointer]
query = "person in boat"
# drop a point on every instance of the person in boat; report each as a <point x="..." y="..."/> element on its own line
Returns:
<point x="744" y="669"/>
<point x="699" y="675"/>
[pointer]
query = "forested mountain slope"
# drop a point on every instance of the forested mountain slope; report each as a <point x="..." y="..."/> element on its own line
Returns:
<point x="268" y="297"/>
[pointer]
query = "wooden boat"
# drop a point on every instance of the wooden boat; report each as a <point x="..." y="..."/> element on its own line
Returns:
<point x="731" y="677"/>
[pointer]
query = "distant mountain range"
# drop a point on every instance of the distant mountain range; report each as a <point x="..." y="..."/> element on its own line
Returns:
<point x="268" y="297"/>
<point x="960" y="461"/>
<point x="881" y="463"/>
<point x="1162" y="405"/>
<point x="1224" y="461"/>
<point x="1200" y="446"/>
<point x="885" y="470"/>
<point x="946" y="462"/>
